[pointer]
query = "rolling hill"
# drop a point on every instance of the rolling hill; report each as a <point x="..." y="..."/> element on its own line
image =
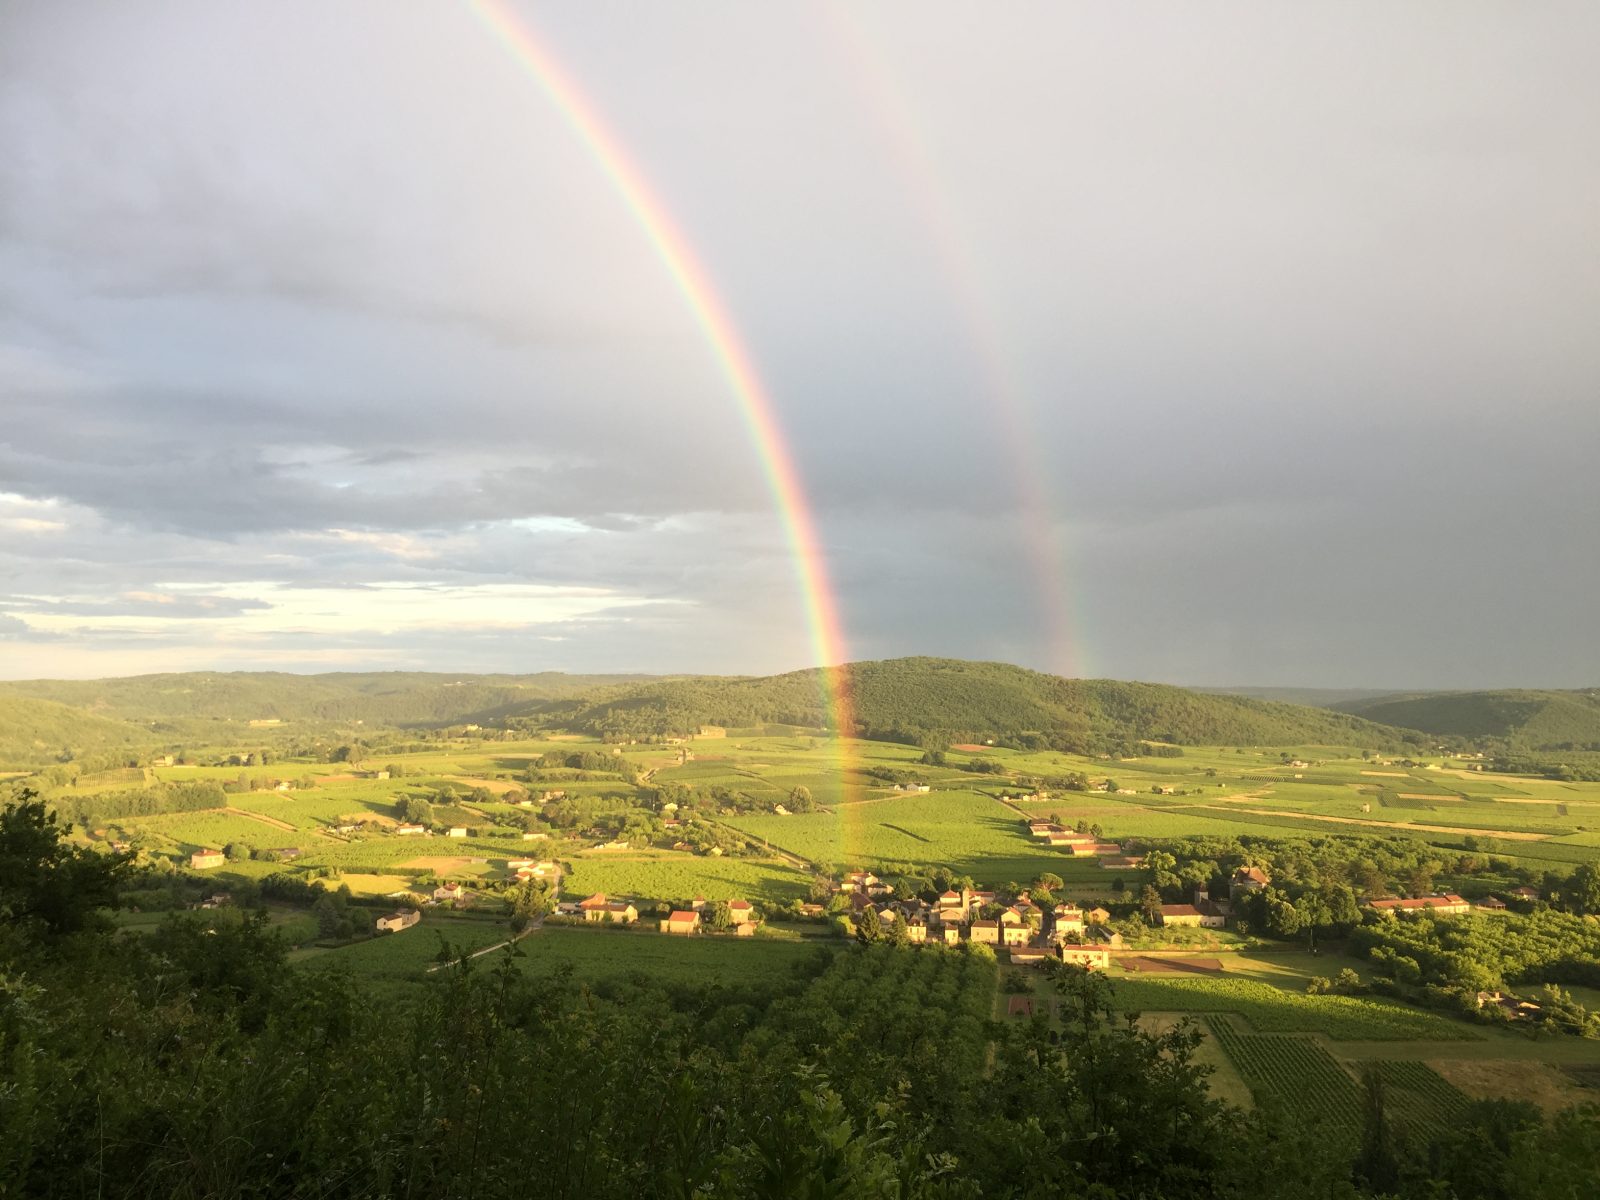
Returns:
<point x="928" y="699"/>
<point x="377" y="698"/>
<point x="1524" y="719"/>
<point x="35" y="732"/>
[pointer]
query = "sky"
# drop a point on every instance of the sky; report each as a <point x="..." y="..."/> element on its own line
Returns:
<point x="1240" y="345"/>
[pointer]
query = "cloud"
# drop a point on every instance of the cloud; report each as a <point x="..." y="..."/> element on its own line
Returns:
<point x="1141" y="344"/>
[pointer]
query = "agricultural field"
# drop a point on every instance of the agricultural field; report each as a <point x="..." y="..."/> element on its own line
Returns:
<point x="669" y="875"/>
<point x="1269" y="1009"/>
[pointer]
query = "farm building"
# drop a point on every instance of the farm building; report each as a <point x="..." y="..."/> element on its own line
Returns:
<point x="457" y="831"/>
<point x="410" y="830"/>
<point x="1445" y="903"/>
<point x="1526" y="893"/>
<point x="1492" y="904"/>
<point x="1190" y="915"/>
<point x="201" y="860"/>
<point x="403" y="918"/>
<point x="445" y="893"/>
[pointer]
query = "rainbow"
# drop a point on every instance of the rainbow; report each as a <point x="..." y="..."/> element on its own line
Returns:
<point x="902" y="134"/>
<point x="519" y="39"/>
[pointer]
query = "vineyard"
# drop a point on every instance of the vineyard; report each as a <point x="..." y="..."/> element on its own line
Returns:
<point x="1293" y="1073"/>
<point x="1270" y="1010"/>
<point x="1297" y="1074"/>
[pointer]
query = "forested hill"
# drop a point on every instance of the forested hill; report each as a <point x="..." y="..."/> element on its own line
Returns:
<point x="33" y="731"/>
<point x="924" y="700"/>
<point x="376" y="698"/>
<point x="1527" y="720"/>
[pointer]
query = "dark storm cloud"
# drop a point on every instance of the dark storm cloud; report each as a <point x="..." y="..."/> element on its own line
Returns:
<point x="1156" y="343"/>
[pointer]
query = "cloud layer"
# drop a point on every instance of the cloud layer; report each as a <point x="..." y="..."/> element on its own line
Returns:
<point x="1152" y="345"/>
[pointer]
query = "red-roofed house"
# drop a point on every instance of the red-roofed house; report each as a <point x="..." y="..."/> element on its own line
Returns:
<point x="684" y="921"/>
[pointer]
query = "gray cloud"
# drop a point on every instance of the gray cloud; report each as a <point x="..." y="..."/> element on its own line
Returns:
<point x="1137" y="343"/>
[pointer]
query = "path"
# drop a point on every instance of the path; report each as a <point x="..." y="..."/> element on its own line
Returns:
<point x="255" y="816"/>
<point x="529" y="931"/>
<point x="1508" y="834"/>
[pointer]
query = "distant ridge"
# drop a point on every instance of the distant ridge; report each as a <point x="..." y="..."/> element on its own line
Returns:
<point x="1526" y="719"/>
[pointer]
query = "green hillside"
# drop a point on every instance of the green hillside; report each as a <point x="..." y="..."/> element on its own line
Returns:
<point x="1528" y="720"/>
<point x="930" y="699"/>
<point x="34" y="732"/>
<point x="376" y="698"/>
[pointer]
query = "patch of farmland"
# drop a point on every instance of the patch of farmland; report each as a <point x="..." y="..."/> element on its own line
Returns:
<point x="1294" y="1073"/>
<point x="665" y="875"/>
<point x="595" y="954"/>
<point x="1271" y="1010"/>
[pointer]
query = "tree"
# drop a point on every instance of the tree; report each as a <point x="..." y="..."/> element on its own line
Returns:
<point x="868" y="927"/>
<point x="414" y="810"/>
<point x="718" y="917"/>
<point x="800" y="800"/>
<point x="1581" y="892"/>
<point x="1377" y="1162"/>
<point x="48" y="887"/>
<point x="1150" y="905"/>
<point x="1313" y="912"/>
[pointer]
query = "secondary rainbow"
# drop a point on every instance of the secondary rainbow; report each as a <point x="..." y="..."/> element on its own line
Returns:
<point x="520" y="40"/>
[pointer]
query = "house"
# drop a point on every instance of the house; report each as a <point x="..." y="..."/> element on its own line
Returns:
<point x="1511" y="1005"/>
<point x="516" y="864"/>
<point x="598" y="908"/>
<point x="555" y="795"/>
<point x="952" y="916"/>
<point x="1127" y="863"/>
<point x="748" y="929"/>
<point x="1026" y="957"/>
<point x="1105" y="937"/>
<point x="403" y="918"/>
<point x="1097" y="915"/>
<point x="1015" y="935"/>
<point x="950" y="934"/>
<point x="447" y="892"/>
<point x="380" y="774"/>
<point x="1445" y="903"/>
<point x="911" y="787"/>
<point x="950" y="899"/>
<point x="457" y="831"/>
<point x="161" y="760"/>
<point x="684" y="921"/>
<point x="1492" y="904"/>
<point x="410" y="830"/>
<point x="525" y="802"/>
<point x="535" y="837"/>
<point x="986" y="931"/>
<point x="981" y="898"/>
<point x="616" y="844"/>
<point x="1246" y="880"/>
<point x="917" y="930"/>
<point x="201" y="860"/>
<point x="812" y="910"/>
<point x="860" y="880"/>
<point x="1526" y="893"/>
<point x="1096" y="958"/>
<point x="1011" y="916"/>
<point x="741" y="911"/>
<point x="1068" y="919"/>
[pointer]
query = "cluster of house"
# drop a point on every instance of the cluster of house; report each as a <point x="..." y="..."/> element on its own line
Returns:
<point x="411" y="829"/>
<point x="1031" y="932"/>
<point x="687" y="921"/>
<point x="1080" y="845"/>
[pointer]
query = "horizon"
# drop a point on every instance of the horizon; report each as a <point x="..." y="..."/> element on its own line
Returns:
<point x="1124" y="345"/>
<point x="647" y="676"/>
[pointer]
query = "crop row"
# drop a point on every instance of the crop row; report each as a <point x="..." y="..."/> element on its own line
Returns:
<point x="1270" y="1010"/>
<point x="1292" y="1072"/>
